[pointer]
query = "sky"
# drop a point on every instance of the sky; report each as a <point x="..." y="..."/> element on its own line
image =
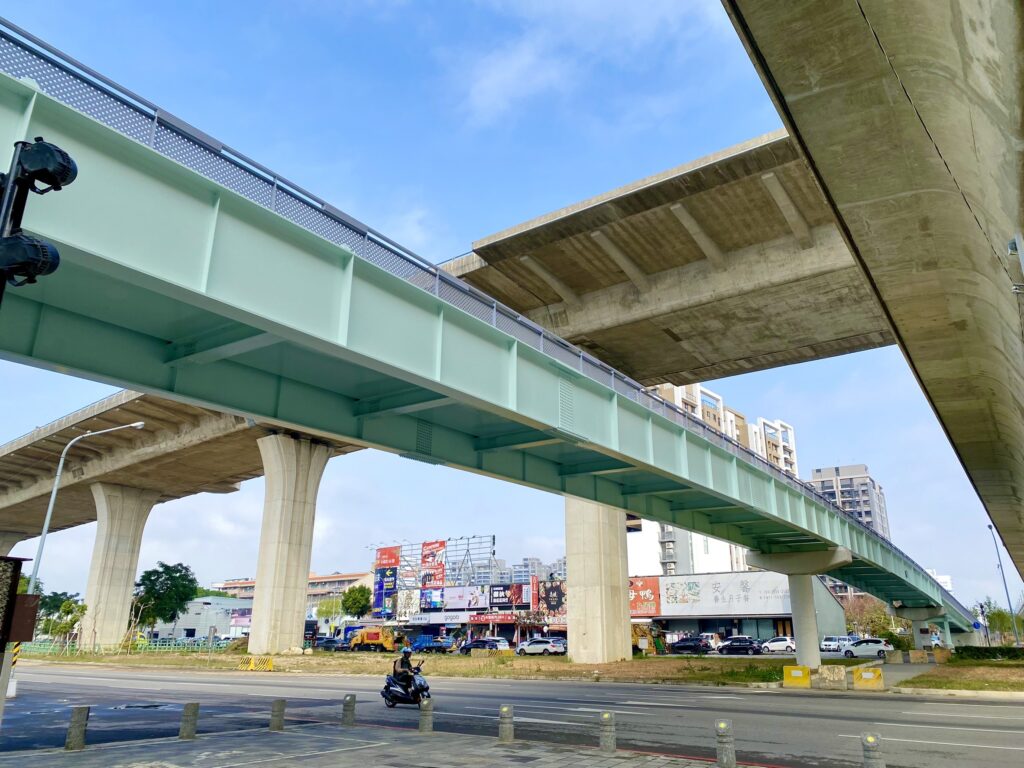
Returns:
<point x="439" y="123"/>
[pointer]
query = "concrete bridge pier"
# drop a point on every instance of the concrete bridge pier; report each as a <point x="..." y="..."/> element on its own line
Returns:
<point x="921" y="618"/>
<point x="597" y="583"/>
<point x="801" y="568"/>
<point x="293" y="468"/>
<point x="7" y="541"/>
<point x="121" y="513"/>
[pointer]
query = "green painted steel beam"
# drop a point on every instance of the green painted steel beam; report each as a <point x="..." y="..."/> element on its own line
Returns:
<point x="173" y="284"/>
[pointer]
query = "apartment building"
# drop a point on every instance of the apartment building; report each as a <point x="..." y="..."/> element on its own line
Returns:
<point x="852" y="488"/>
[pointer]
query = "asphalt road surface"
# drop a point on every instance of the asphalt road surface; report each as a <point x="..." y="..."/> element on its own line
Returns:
<point x="775" y="728"/>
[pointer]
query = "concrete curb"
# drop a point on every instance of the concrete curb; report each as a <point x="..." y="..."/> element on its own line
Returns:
<point x="995" y="695"/>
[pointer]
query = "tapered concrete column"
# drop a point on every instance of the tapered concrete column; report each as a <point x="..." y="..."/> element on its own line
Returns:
<point x="598" y="583"/>
<point x="920" y="619"/>
<point x="947" y="636"/>
<point x="922" y="635"/>
<point x="293" y="469"/>
<point x="121" y="512"/>
<point x="7" y="541"/>
<point x="801" y="568"/>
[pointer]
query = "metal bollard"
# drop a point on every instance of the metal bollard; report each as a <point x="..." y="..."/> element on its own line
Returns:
<point x="872" y="744"/>
<point x="607" y="739"/>
<point x="277" y="715"/>
<point x="725" y="746"/>
<point x="189" y="720"/>
<point x="506" y="724"/>
<point x="426" y="715"/>
<point x="348" y="709"/>
<point x="76" y="728"/>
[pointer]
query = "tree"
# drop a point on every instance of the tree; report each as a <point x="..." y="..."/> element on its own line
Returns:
<point x="867" y="615"/>
<point x="356" y="601"/>
<point x="204" y="592"/>
<point x="63" y="624"/>
<point x="23" y="585"/>
<point x="162" y="593"/>
<point x="49" y="605"/>
<point x="330" y="608"/>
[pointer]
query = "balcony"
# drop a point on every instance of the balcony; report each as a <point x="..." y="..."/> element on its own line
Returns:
<point x="664" y="536"/>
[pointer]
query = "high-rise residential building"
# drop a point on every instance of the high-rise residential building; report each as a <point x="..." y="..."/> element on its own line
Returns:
<point x="852" y="488"/>
<point x="946" y="582"/>
<point x="661" y="548"/>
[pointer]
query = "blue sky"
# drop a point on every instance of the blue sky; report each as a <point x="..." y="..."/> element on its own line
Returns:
<point x="439" y="123"/>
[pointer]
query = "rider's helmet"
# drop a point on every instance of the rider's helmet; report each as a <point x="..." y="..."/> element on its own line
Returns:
<point x="407" y="649"/>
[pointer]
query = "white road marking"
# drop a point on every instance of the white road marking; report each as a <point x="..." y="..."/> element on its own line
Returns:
<point x="958" y="714"/>
<point x="950" y="728"/>
<point x="935" y="743"/>
<point x="653" y="704"/>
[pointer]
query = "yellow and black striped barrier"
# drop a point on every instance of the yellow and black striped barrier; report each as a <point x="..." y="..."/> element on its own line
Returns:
<point x="15" y="653"/>
<point x="256" y="664"/>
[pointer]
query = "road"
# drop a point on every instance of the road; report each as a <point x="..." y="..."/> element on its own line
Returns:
<point x="777" y="728"/>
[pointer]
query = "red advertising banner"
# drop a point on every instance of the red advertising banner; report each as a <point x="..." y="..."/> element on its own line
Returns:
<point x="644" y="597"/>
<point x="534" y="592"/>
<point x="492" y="618"/>
<point x="389" y="557"/>
<point x="432" y="564"/>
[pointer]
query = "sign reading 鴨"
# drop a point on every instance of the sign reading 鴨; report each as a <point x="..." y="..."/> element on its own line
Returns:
<point x="644" y="596"/>
<point x="432" y="564"/>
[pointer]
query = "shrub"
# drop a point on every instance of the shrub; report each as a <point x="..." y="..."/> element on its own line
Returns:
<point x="899" y="642"/>
<point x="241" y="645"/>
<point x="981" y="652"/>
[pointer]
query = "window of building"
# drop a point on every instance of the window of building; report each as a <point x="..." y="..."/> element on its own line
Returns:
<point x="706" y="549"/>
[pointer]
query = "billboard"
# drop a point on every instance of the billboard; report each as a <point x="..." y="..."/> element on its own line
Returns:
<point x="753" y="593"/>
<point x="389" y="557"/>
<point x="466" y="598"/>
<point x="551" y="600"/>
<point x="644" y="596"/>
<point x="431" y="600"/>
<point x="534" y="593"/>
<point x="407" y="602"/>
<point x="241" y="617"/>
<point x="432" y="564"/>
<point x="510" y="597"/>
<point x="385" y="584"/>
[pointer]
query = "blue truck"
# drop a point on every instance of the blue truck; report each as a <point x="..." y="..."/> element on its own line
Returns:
<point x="431" y="644"/>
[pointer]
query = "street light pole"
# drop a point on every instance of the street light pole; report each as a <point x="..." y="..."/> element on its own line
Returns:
<point x="53" y="494"/>
<point x="1009" y="603"/>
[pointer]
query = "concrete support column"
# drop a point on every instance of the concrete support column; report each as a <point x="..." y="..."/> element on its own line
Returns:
<point x="121" y="513"/>
<point x="947" y="636"/>
<point x="293" y="469"/>
<point x="598" y="583"/>
<point x="922" y="635"/>
<point x="801" y="568"/>
<point x="805" y="619"/>
<point x="8" y="539"/>
<point x="920" y="619"/>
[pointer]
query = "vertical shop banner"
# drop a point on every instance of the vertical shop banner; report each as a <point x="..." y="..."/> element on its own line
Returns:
<point x="644" y="597"/>
<point x="385" y="585"/>
<point x="432" y="564"/>
<point x="389" y="557"/>
<point x="552" y="598"/>
<point x="534" y="593"/>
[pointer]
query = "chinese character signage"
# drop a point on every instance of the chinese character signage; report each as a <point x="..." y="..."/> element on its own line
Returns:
<point x="644" y="596"/>
<point x="753" y="593"/>
<point x="385" y="585"/>
<point x="465" y="598"/>
<point x="510" y="597"/>
<point x="552" y="598"/>
<point x="389" y="557"/>
<point x="432" y="564"/>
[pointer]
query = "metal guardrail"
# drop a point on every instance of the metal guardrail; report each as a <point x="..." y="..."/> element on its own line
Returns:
<point x="23" y="55"/>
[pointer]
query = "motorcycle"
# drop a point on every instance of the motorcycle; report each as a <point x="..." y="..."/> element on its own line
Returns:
<point x="394" y="693"/>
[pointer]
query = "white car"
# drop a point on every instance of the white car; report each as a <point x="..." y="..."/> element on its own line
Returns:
<point x="781" y="644"/>
<point x="831" y="642"/>
<point x="501" y="642"/>
<point x="542" y="645"/>
<point x="870" y="647"/>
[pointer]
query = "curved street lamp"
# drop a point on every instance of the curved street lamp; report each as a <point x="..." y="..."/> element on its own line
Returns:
<point x="56" y="486"/>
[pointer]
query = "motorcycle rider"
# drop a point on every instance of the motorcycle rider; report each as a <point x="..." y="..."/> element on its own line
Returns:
<point x="402" y="671"/>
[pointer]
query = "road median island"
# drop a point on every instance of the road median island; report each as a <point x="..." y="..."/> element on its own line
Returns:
<point x="712" y="670"/>
<point x="971" y="675"/>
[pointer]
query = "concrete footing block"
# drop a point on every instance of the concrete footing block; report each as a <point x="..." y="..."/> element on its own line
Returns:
<point x="189" y="720"/>
<point x="76" y="728"/>
<point x="277" y="714"/>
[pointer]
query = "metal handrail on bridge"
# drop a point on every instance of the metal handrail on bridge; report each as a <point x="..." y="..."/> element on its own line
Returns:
<point x="23" y="55"/>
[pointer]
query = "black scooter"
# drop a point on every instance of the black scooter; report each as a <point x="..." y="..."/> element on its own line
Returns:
<point x="394" y="693"/>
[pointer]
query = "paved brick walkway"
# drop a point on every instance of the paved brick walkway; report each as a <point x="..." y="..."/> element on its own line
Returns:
<point x="320" y="746"/>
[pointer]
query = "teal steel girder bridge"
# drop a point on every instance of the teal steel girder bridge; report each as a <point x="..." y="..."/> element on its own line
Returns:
<point x="191" y="271"/>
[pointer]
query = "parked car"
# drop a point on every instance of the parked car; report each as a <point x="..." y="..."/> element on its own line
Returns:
<point x="331" y="644"/>
<point x="782" y="643"/>
<point x="872" y="647"/>
<point x="697" y="645"/>
<point x="500" y="642"/>
<point x="542" y="645"/>
<point x="489" y="645"/>
<point x="830" y="643"/>
<point x="740" y="645"/>
<point x="561" y="641"/>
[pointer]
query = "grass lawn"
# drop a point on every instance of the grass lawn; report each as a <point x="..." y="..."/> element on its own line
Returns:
<point x="709" y="669"/>
<point x="972" y="676"/>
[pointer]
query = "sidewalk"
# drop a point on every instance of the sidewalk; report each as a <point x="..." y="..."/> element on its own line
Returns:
<point x="334" y="746"/>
